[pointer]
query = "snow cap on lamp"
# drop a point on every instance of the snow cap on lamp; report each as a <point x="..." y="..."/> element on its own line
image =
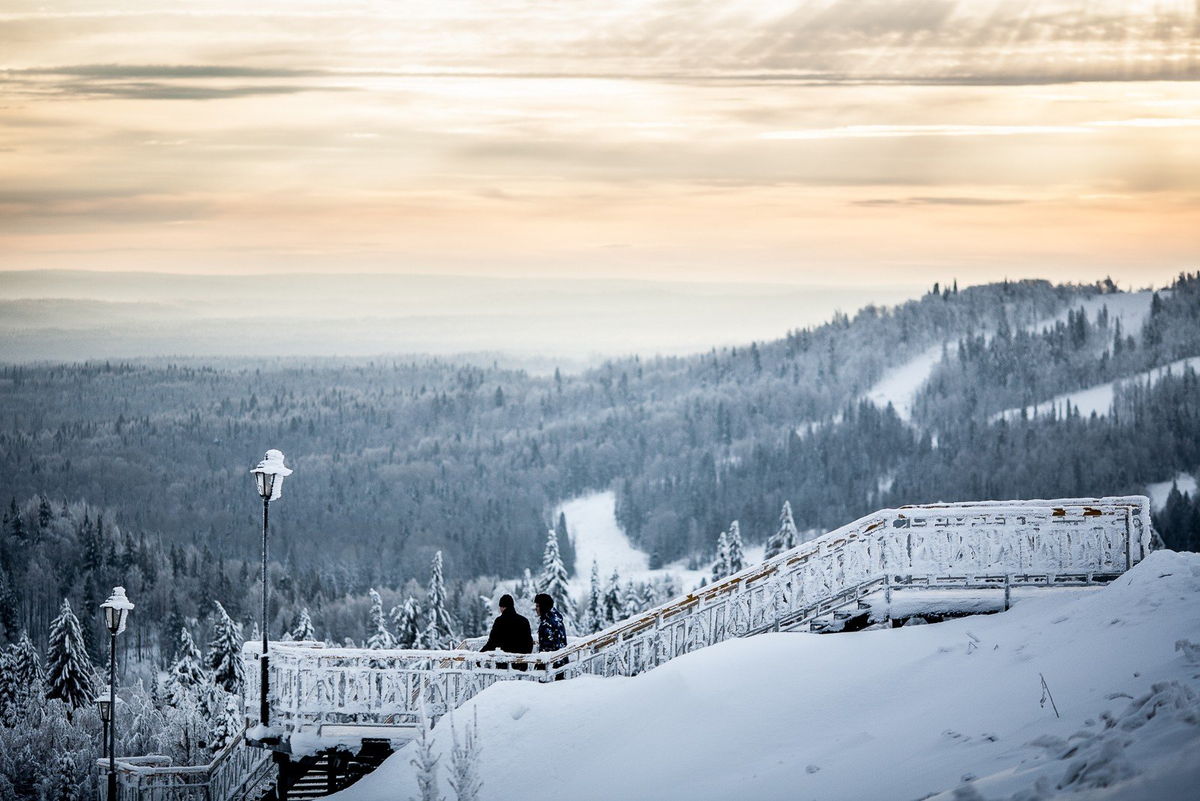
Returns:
<point x="270" y="474"/>
<point x="121" y="606"/>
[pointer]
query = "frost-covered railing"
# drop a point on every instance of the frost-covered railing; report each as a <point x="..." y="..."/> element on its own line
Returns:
<point x="236" y="773"/>
<point x="942" y="545"/>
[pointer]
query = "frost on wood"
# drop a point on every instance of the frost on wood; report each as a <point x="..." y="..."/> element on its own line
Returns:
<point x="944" y="545"/>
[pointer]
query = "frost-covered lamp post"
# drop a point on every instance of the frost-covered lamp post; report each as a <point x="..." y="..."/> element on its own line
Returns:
<point x="268" y="476"/>
<point x="116" y="612"/>
<point x="104" y="704"/>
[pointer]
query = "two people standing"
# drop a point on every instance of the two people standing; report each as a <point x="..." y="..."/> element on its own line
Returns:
<point x="511" y="632"/>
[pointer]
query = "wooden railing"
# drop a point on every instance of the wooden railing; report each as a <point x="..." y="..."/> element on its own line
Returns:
<point x="236" y="773"/>
<point x="1042" y="543"/>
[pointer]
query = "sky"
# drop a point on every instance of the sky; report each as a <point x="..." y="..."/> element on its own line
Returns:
<point x="823" y="142"/>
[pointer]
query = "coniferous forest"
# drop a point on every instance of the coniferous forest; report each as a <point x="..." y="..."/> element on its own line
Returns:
<point x="414" y="474"/>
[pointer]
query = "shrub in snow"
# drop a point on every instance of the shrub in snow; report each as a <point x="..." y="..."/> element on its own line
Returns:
<point x="69" y="675"/>
<point x="51" y="754"/>
<point x="425" y="762"/>
<point x="464" y="761"/>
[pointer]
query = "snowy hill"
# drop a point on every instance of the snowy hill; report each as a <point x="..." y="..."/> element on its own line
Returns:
<point x="886" y="714"/>
<point x="1098" y="399"/>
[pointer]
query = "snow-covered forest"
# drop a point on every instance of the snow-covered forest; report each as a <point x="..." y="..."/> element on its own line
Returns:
<point x="424" y="488"/>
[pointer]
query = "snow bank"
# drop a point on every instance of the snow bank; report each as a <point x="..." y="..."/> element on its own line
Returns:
<point x="1098" y="399"/>
<point x="889" y="714"/>
<point x="1159" y="491"/>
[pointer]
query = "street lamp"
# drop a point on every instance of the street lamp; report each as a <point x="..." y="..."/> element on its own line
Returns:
<point x="268" y="476"/>
<point x="104" y="704"/>
<point x="116" y="612"/>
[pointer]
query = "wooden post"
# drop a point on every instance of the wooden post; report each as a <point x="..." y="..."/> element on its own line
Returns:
<point x="1007" y="591"/>
<point x="1128" y="538"/>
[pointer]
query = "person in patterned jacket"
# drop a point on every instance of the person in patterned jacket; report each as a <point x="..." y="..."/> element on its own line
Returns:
<point x="552" y="634"/>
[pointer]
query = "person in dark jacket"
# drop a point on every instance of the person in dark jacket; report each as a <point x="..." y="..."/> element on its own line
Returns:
<point x="552" y="634"/>
<point x="510" y="631"/>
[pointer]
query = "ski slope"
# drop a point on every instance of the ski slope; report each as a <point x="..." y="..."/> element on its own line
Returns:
<point x="948" y="711"/>
<point x="899" y="385"/>
<point x="596" y="534"/>
<point x="1159" y="491"/>
<point x="1098" y="399"/>
<point x="1131" y="308"/>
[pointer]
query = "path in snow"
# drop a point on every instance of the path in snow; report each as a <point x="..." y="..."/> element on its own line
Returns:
<point x="1099" y="398"/>
<point x="890" y="714"/>
<point x="596" y="534"/>
<point x="1158" y="492"/>
<point x="900" y="384"/>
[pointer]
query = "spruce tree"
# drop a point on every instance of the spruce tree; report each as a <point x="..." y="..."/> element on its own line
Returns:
<point x="720" y="567"/>
<point x="304" y="627"/>
<point x="553" y="580"/>
<point x="778" y="542"/>
<point x="227" y="722"/>
<point x="632" y="600"/>
<point x="439" y="632"/>
<point x="406" y="620"/>
<point x="380" y="638"/>
<point x="593" y="619"/>
<point x="185" y="676"/>
<point x="225" y="653"/>
<point x="69" y="675"/>
<point x="614" y="609"/>
<point x="737" y="555"/>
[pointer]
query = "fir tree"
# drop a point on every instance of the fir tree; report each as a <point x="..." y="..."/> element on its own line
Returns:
<point x="737" y="555"/>
<point x="69" y="675"/>
<point x="785" y="538"/>
<point x="632" y="600"/>
<point x="381" y="638"/>
<point x="593" y="618"/>
<point x="720" y="567"/>
<point x="439" y="632"/>
<point x="406" y="620"/>
<point x="225" y="653"/>
<point x="553" y="580"/>
<point x="649" y="598"/>
<point x="227" y="722"/>
<point x="304" y="627"/>
<point x="614" y="609"/>
<point x="185" y="676"/>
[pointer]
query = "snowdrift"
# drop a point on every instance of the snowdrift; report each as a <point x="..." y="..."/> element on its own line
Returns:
<point x="954" y="710"/>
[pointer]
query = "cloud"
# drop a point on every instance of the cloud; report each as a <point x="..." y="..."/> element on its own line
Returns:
<point x="936" y="201"/>
<point x="898" y="131"/>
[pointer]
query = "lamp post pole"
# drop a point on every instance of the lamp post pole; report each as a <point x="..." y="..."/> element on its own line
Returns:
<point x="262" y="709"/>
<point x="112" y="706"/>
<point x="268" y="477"/>
<point x="116" y="612"/>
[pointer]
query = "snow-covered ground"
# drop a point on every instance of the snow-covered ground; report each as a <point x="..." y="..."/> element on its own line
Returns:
<point x="1099" y="398"/>
<point x="596" y="534"/>
<point x="899" y="385"/>
<point x="1131" y="308"/>
<point x="953" y="708"/>
<point x="1159" y="491"/>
